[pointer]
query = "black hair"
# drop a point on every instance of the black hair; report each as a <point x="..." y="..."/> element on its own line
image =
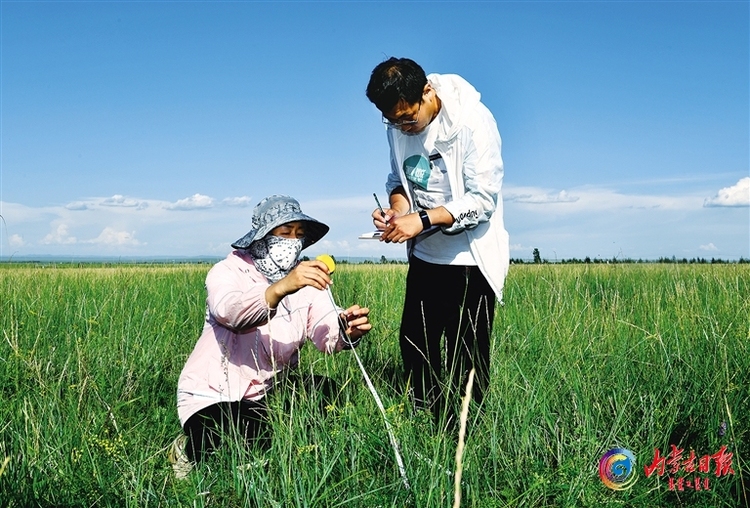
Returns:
<point x="393" y="80"/>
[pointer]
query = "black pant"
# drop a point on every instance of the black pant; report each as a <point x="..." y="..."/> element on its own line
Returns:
<point x="206" y="428"/>
<point x="455" y="302"/>
<point x="248" y="419"/>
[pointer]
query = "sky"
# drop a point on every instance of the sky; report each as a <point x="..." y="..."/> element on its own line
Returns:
<point x="149" y="129"/>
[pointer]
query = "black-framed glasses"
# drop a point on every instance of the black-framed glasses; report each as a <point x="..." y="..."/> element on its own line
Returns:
<point x="403" y="123"/>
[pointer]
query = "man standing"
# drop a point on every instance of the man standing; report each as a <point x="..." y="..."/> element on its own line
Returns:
<point x="445" y="202"/>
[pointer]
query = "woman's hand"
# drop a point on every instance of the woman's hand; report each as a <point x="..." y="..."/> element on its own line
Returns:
<point x="307" y="273"/>
<point x="357" y="321"/>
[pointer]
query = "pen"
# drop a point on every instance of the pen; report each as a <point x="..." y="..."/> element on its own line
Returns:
<point x="382" y="212"/>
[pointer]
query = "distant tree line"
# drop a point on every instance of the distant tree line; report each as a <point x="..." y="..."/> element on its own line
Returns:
<point x="537" y="259"/>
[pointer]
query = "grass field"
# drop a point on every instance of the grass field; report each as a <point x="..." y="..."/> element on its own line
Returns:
<point x="586" y="358"/>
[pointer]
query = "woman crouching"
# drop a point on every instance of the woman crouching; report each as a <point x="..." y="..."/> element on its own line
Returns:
<point x="262" y="306"/>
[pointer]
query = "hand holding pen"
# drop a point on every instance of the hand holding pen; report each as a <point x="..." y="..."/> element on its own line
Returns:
<point x="379" y="216"/>
<point x="398" y="225"/>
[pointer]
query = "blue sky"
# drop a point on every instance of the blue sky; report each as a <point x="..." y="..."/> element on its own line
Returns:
<point x="153" y="128"/>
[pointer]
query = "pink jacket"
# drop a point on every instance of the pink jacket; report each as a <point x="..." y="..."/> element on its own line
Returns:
<point x="235" y="358"/>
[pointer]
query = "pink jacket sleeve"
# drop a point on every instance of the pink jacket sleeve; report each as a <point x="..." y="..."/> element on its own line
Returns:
<point x="237" y="296"/>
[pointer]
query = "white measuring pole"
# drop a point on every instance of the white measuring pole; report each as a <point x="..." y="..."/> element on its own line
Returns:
<point x="388" y="427"/>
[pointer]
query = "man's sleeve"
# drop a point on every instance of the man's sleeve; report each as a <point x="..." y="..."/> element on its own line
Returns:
<point x="482" y="174"/>
<point x="394" y="177"/>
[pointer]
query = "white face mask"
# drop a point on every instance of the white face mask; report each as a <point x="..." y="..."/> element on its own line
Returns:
<point x="284" y="251"/>
<point x="275" y="256"/>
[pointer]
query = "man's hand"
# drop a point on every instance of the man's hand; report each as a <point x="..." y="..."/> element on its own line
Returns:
<point x="399" y="207"/>
<point x="381" y="221"/>
<point x="402" y="228"/>
<point x="406" y="227"/>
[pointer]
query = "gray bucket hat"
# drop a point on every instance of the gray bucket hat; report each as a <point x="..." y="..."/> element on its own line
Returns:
<point x="276" y="210"/>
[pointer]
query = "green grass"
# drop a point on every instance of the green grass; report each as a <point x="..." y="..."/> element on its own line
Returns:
<point x="585" y="358"/>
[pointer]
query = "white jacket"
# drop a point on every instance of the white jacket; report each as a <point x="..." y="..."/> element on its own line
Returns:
<point x="469" y="143"/>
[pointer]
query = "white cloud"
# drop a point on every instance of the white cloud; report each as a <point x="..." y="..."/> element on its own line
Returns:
<point x="59" y="236"/>
<point x="601" y="223"/>
<point x="112" y="237"/>
<point x="16" y="241"/>
<point x="194" y="202"/>
<point x="241" y="201"/>
<point x="116" y="201"/>
<point x="590" y="199"/>
<point x="119" y="200"/>
<point x="542" y="198"/>
<point x="736" y="195"/>
<point x="333" y="246"/>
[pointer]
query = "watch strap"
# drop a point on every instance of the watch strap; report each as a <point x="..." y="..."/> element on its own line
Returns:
<point x="426" y="224"/>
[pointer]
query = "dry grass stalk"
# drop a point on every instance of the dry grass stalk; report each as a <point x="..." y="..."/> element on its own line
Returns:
<point x="461" y="438"/>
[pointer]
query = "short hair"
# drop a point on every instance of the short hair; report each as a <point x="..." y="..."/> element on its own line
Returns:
<point x="393" y="80"/>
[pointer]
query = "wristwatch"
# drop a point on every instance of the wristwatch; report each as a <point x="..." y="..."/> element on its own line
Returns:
<point x="426" y="224"/>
